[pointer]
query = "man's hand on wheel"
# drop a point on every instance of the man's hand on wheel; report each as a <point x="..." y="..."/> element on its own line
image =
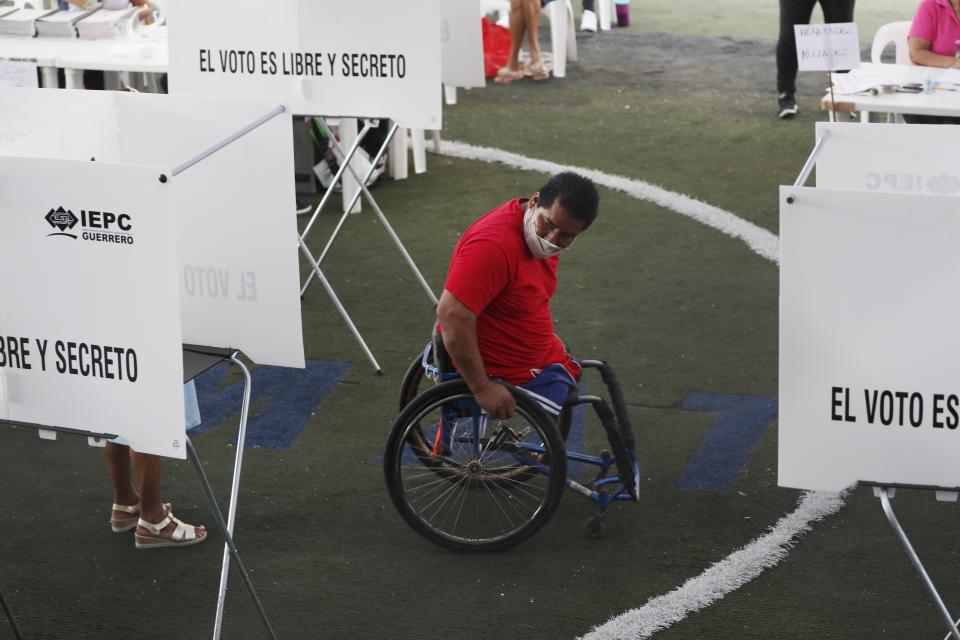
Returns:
<point x="496" y="400"/>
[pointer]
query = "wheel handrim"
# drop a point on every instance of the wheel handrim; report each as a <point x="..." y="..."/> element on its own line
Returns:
<point x="482" y="490"/>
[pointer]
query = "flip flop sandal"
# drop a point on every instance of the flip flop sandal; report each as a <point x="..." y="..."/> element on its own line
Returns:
<point x="126" y="523"/>
<point x="506" y="75"/>
<point x="184" y="535"/>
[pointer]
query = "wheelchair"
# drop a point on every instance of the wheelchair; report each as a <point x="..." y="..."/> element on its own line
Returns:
<point x="470" y="483"/>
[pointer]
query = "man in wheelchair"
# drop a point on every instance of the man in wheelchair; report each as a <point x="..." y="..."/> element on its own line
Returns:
<point x="479" y="463"/>
<point x="494" y="313"/>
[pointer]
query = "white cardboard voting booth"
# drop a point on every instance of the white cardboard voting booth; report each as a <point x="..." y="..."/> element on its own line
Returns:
<point x="868" y="339"/>
<point x="238" y="270"/>
<point x="896" y="158"/>
<point x="155" y="213"/>
<point x="89" y="303"/>
<point x="378" y="59"/>
<point x="461" y="44"/>
<point x="374" y="59"/>
<point x="868" y="319"/>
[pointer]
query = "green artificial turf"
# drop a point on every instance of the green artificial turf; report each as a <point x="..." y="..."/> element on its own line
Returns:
<point x="677" y="307"/>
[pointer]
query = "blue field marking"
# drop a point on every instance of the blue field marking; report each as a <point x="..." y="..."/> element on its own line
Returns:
<point x="293" y="396"/>
<point x="726" y="447"/>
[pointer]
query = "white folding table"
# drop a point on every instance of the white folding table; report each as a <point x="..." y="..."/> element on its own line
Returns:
<point x="938" y="102"/>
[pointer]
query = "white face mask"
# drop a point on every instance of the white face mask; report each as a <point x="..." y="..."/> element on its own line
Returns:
<point x="539" y="247"/>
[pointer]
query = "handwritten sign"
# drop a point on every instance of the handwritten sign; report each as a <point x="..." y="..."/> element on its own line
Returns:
<point x="18" y="72"/>
<point x="827" y="47"/>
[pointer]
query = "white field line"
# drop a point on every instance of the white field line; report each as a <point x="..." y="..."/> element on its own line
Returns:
<point x="722" y="578"/>
<point x="757" y="238"/>
<point x="747" y="563"/>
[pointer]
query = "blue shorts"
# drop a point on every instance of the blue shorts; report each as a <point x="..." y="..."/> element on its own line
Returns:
<point x="551" y="388"/>
<point x="191" y="408"/>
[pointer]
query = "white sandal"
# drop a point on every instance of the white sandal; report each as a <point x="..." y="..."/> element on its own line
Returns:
<point x="184" y="535"/>
<point x="122" y="525"/>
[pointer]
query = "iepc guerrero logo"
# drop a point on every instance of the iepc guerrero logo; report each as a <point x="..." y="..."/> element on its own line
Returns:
<point x="95" y="226"/>
<point x="62" y="219"/>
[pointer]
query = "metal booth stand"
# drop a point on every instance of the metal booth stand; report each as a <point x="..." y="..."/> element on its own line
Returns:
<point x="13" y="622"/>
<point x="200" y="360"/>
<point x="345" y="165"/>
<point x="886" y="492"/>
<point x="196" y="360"/>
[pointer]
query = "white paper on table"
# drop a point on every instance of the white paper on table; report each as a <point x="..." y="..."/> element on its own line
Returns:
<point x="18" y="72"/>
<point x="950" y="76"/>
<point x="850" y="83"/>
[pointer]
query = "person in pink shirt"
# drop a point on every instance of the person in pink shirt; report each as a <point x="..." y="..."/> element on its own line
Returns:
<point x="934" y="33"/>
<point x="933" y="41"/>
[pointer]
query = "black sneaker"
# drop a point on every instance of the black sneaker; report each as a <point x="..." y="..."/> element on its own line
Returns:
<point x="303" y="207"/>
<point x="788" y="105"/>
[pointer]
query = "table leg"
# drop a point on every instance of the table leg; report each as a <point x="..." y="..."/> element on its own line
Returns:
<point x="48" y="78"/>
<point x="73" y="78"/>
<point x="112" y="81"/>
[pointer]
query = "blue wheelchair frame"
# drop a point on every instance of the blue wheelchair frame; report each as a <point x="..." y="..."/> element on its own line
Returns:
<point x="616" y="423"/>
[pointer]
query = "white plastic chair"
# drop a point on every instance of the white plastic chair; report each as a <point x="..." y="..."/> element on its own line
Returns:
<point x="563" y="34"/>
<point x="605" y="12"/>
<point x="398" y="152"/>
<point x="894" y="33"/>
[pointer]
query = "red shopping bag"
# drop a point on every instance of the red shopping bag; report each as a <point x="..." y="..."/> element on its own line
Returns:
<point x="496" y="47"/>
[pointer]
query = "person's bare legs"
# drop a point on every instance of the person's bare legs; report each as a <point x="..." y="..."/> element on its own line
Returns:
<point x="118" y="463"/>
<point x="531" y="18"/>
<point x="517" y="28"/>
<point x="152" y="508"/>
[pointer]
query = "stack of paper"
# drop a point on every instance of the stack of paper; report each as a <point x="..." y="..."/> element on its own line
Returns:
<point x="101" y="24"/>
<point x="22" y="22"/>
<point x="865" y="82"/>
<point x="61" y="24"/>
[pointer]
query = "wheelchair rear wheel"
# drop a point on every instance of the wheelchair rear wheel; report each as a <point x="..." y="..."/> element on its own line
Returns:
<point x="489" y="485"/>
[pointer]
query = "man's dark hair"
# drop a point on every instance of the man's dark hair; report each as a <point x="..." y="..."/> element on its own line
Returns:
<point x="576" y="194"/>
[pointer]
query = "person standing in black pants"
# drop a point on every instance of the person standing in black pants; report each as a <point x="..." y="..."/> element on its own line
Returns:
<point x="798" y="12"/>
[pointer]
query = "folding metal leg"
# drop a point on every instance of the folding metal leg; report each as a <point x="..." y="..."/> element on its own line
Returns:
<point x="928" y="583"/>
<point x="315" y="266"/>
<point x="379" y="213"/>
<point x="227" y="536"/>
<point x="234" y="491"/>
<point x="13" y="622"/>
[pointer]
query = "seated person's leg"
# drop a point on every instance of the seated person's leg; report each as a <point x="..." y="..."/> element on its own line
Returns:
<point x="551" y="388"/>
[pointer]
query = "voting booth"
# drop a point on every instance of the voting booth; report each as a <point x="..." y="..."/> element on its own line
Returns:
<point x="90" y="331"/>
<point x="154" y="234"/>
<point x="376" y="59"/>
<point x="868" y="318"/>
<point x="461" y="48"/>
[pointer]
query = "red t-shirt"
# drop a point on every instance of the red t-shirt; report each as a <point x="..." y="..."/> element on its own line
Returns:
<point x="494" y="274"/>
